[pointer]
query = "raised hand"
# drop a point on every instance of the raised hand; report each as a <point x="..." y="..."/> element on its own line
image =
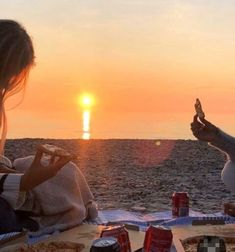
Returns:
<point x="204" y="130"/>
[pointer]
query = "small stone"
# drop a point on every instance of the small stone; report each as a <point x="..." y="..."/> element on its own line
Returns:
<point x="139" y="209"/>
<point x="109" y="206"/>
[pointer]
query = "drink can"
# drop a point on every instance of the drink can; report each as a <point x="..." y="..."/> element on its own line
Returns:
<point x="105" y="244"/>
<point x="180" y="204"/>
<point x="158" y="239"/>
<point x="120" y="233"/>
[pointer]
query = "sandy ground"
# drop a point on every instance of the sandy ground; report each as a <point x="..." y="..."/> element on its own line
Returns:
<point x="142" y="174"/>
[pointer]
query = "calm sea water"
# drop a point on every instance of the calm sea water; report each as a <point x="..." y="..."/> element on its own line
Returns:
<point x="176" y="126"/>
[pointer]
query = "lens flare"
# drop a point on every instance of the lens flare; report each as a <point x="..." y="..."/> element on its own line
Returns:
<point x="158" y="143"/>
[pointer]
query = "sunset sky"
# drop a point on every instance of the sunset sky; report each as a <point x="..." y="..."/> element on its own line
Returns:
<point x="144" y="61"/>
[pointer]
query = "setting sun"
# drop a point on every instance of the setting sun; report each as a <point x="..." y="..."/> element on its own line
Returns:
<point x="86" y="100"/>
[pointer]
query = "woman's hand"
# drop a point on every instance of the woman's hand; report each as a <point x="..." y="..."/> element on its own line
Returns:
<point x="38" y="173"/>
<point x="229" y="208"/>
<point x="4" y="169"/>
<point x="204" y="130"/>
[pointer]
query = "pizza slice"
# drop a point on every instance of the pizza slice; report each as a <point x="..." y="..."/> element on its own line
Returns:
<point x="53" y="150"/>
<point x="198" y="108"/>
<point x="53" y="246"/>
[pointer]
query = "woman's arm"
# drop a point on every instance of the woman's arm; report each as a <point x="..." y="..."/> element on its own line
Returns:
<point x="225" y="143"/>
<point x="206" y="131"/>
<point x="13" y="186"/>
<point x="10" y="189"/>
<point x="4" y="169"/>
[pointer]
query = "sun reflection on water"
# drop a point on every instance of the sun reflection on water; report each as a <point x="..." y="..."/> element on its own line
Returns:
<point x="86" y="125"/>
<point x="86" y="101"/>
<point x="86" y="135"/>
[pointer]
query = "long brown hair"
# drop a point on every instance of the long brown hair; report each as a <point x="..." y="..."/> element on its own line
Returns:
<point x="16" y="59"/>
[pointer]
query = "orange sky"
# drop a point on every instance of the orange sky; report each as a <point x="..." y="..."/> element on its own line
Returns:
<point x="144" y="61"/>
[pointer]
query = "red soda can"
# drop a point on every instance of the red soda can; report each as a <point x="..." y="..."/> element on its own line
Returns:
<point x="120" y="233"/>
<point x="180" y="204"/>
<point x="158" y="239"/>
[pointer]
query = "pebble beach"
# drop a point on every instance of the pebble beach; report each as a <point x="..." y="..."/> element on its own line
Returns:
<point x="141" y="175"/>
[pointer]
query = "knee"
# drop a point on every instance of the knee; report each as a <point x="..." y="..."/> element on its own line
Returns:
<point x="22" y="164"/>
<point x="228" y="175"/>
<point x="70" y="170"/>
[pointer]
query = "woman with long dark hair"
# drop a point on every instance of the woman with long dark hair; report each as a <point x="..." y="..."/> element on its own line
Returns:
<point x="55" y="190"/>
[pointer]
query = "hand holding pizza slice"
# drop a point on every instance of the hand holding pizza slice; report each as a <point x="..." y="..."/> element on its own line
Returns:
<point x="202" y="129"/>
<point x="198" y="108"/>
<point x="53" y="150"/>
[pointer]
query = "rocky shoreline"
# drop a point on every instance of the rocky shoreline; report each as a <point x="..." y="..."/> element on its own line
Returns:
<point x="143" y="174"/>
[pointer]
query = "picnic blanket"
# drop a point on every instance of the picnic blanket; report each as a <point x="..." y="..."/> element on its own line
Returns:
<point x="163" y="218"/>
<point x="142" y="220"/>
